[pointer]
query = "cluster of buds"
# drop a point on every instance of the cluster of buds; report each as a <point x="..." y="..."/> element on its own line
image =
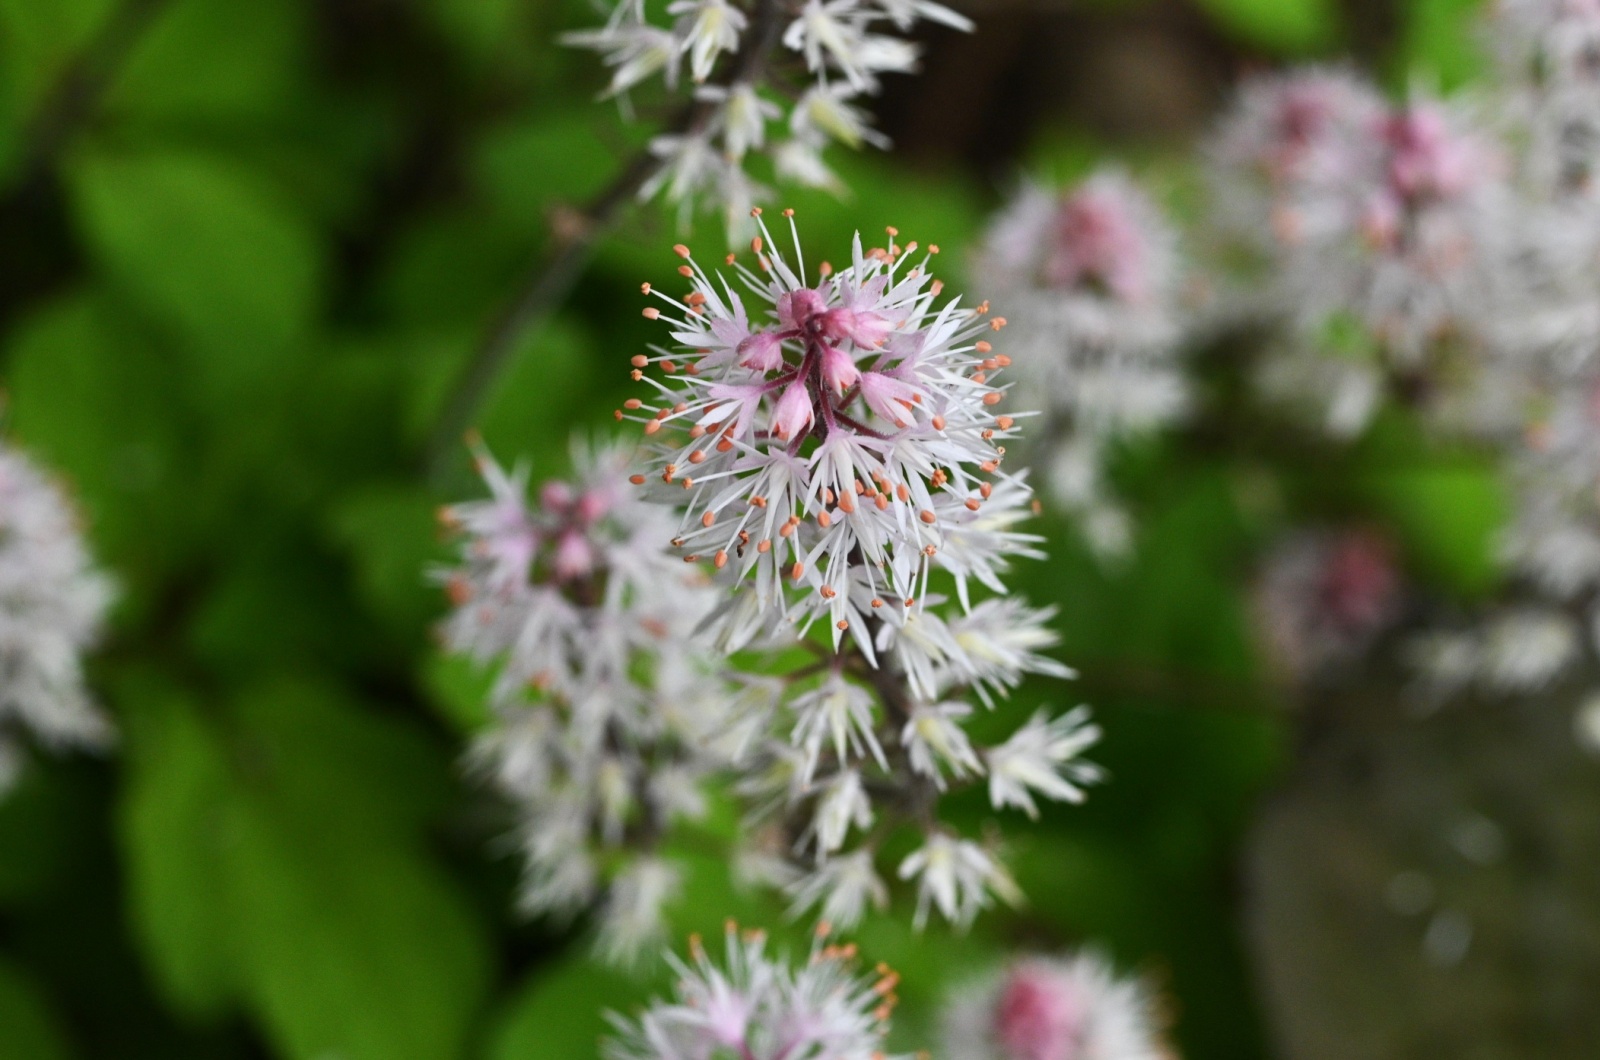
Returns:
<point x="605" y="711"/>
<point x="835" y="451"/>
<point x="1381" y="229"/>
<point x="1089" y="276"/>
<point x="747" y="61"/>
<point x="1071" y="1008"/>
<point x="53" y="602"/>
<point x="757" y="1005"/>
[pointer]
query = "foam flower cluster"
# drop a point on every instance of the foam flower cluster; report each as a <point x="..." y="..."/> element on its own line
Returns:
<point x="1089" y="278"/>
<point x="53" y="602"/>
<point x="835" y="450"/>
<point x="757" y="1005"/>
<point x="1038" y="1008"/>
<point x="1549" y="52"/>
<point x="603" y="706"/>
<point x="1383" y="228"/>
<point x="770" y="78"/>
<point x="1323" y="597"/>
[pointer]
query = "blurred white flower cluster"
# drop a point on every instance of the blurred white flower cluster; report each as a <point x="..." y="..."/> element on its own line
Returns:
<point x="53" y="602"/>
<point x="1089" y="276"/>
<point x="1545" y="365"/>
<point x="834" y="447"/>
<point x="757" y="1005"/>
<point x="768" y="78"/>
<point x="1068" y="1008"/>
<point x="1381" y="233"/>
<point x="605" y="708"/>
<point x="1323" y="597"/>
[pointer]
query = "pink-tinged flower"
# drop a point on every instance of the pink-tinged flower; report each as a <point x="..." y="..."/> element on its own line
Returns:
<point x="757" y="1005"/>
<point x="821" y="465"/>
<point x="838" y="369"/>
<point x="1089" y="276"/>
<point x="1426" y="157"/>
<point x="866" y="329"/>
<point x="793" y="413"/>
<point x="889" y="397"/>
<point x="761" y="352"/>
<point x="574" y="556"/>
<point x="1098" y="242"/>
<point x="1324" y="597"/>
<point x="1035" y="1018"/>
<point x="603" y="703"/>
<point x="798" y="308"/>
<point x="1073" y="1008"/>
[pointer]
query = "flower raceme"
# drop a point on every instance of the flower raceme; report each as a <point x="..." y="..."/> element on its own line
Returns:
<point x="832" y="438"/>
<point x="756" y="1005"/>
<point x="770" y="77"/>
<point x="833" y="443"/>
<point x="1089" y="276"/>
<point x="602" y="702"/>
<point x="1069" y="1008"/>
<point x="52" y="604"/>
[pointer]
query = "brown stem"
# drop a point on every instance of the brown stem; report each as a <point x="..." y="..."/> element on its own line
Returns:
<point x="552" y="278"/>
<point x="76" y="95"/>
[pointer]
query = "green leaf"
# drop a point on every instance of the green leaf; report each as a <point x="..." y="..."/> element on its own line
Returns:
<point x="171" y="825"/>
<point x="208" y="247"/>
<point x="1447" y="517"/>
<point x="1286" y="27"/>
<point x="212" y="60"/>
<point x="458" y="688"/>
<point x="571" y="162"/>
<point x="100" y="406"/>
<point x="560" y="1013"/>
<point x="39" y="41"/>
<point x="1442" y="42"/>
<point x="355" y="944"/>
<point x="391" y="534"/>
<point x="28" y="1030"/>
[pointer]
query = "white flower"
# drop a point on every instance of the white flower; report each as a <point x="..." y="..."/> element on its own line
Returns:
<point x="830" y="31"/>
<point x="1038" y="1008"/>
<point x="824" y="451"/>
<point x="605" y="707"/>
<point x="905" y="14"/>
<point x="1042" y="757"/>
<point x="743" y="118"/>
<point x="955" y="876"/>
<point x="633" y="917"/>
<point x="841" y="888"/>
<point x="842" y="803"/>
<point x="707" y="28"/>
<point x="934" y="741"/>
<point x="756" y="1006"/>
<point x="838" y="714"/>
<point x="1525" y="650"/>
<point x="53" y="602"/>
<point x="799" y="159"/>
<point x="635" y="50"/>
<point x="824" y="110"/>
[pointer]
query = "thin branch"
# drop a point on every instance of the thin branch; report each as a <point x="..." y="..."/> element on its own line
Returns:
<point x="76" y="95"/>
<point x="553" y="278"/>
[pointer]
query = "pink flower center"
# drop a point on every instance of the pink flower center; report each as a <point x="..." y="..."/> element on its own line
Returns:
<point x="1039" y="1016"/>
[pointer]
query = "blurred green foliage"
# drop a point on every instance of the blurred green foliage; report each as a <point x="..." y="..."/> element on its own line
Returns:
<point x="248" y="245"/>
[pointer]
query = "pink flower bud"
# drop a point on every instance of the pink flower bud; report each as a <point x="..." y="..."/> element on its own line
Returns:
<point x="838" y="369"/>
<point x="793" y="413"/>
